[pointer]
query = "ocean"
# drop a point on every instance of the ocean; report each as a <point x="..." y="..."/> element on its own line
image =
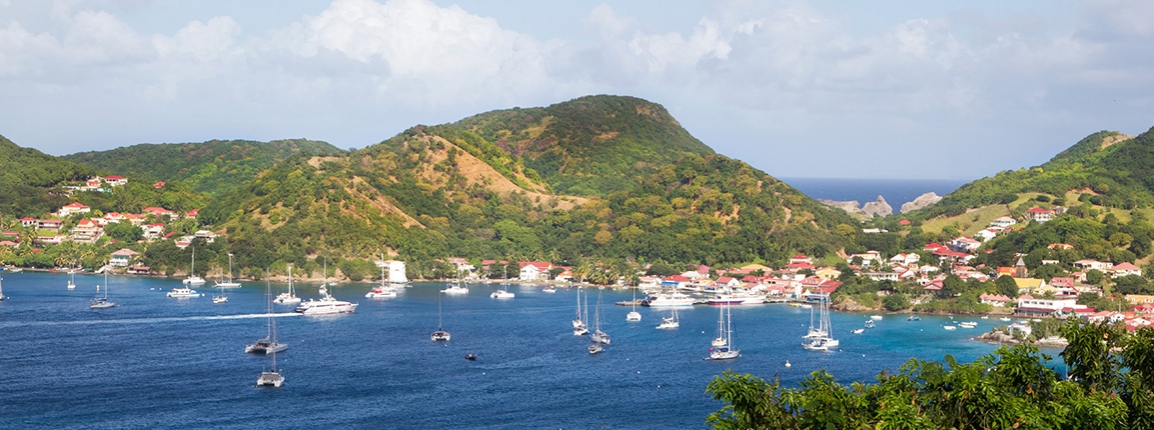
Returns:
<point x="154" y="361"/>
<point x="895" y="191"/>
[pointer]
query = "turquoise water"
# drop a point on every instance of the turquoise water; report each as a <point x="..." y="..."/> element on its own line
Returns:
<point x="160" y="362"/>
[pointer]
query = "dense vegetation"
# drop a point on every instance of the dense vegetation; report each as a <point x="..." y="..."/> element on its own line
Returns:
<point x="1111" y="386"/>
<point x="1104" y="169"/>
<point x="422" y="196"/>
<point x="210" y="167"/>
<point x="28" y="180"/>
<point x="592" y="145"/>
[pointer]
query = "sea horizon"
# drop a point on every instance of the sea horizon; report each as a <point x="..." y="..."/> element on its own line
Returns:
<point x="895" y="191"/>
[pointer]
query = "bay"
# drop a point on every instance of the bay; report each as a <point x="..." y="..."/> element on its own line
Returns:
<point x="895" y="191"/>
<point x="154" y="361"/>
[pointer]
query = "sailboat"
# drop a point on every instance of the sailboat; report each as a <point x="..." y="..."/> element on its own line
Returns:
<point x="579" y="326"/>
<point x="102" y="302"/>
<point x="192" y="279"/>
<point x="383" y="291"/>
<point x="821" y="338"/>
<point x="1" y="290"/>
<point x="271" y="378"/>
<point x="670" y="322"/>
<point x="228" y="282"/>
<point x="72" y="282"/>
<point x="221" y="298"/>
<point x="633" y="315"/>
<point x="598" y="335"/>
<point x="269" y="344"/>
<point x="502" y="293"/>
<point x="288" y="297"/>
<point x="456" y="288"/>
<point x="726" y="350"/>
<point x="440" y="335"/>
<point x="721" y="340"/>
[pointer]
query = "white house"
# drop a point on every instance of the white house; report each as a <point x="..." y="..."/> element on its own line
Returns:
<point x="986" y="235"/>
<point x="533" y="271"/>
<point x="72" y="208"/>
<point x="122" y="257"/>
<point x="965" y="244"/>
<point x="1003" y="222"/>
<point x="1101" y="266"/>
<point x="905" y="259"/>
<point x="1125" y="269"/>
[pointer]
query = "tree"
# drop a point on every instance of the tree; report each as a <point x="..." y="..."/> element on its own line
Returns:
<point x="1006" y="286"/>
<point x="1095" y="277"/>
<point x="895" y="302"/>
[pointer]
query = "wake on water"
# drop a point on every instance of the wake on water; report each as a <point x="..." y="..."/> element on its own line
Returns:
<point x="146" y="320"/>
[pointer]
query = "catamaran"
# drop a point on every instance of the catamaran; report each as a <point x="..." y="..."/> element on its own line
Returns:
<point x="192" y="279"/>
<point x="440" y="335"/>
<point x="271" y="378"/>
<point x="503" y="293"/>
<point x="288" y="297"/>
<point x="821" y="338"/>
<point x="633" y="315"/>
<point x="579" y="326"/>
<point x="269" y="344"/>
<point x="725" y="351"/>
<point x="228" y="282"/>
<point x="101" y="302"/>
<point x="598" y="335"/>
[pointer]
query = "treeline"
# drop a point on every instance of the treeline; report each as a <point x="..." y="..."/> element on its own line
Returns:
<point x="1109" y="386"/>
<point x="211" y="167"/>
<point x="29" y="179"/>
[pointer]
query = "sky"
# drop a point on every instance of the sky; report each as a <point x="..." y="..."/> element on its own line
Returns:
<point x="818" y="88"/>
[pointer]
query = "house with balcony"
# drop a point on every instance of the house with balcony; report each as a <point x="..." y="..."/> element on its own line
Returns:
<point x="123" y="257"/>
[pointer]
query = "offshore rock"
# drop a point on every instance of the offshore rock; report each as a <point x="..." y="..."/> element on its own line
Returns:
<point x="850" y="206"/>
<point x="921" y="202"/>
<point x="878" y="207"/>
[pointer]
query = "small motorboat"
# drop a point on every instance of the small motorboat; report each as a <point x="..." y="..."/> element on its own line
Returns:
<point x="914" y="318"/>
<point x="858" y="331"/>
<point x="471" y="357"/>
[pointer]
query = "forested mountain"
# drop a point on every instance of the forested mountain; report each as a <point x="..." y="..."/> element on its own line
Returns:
<point x="209" y="167"/>
<point x="592" y="145"/>
<point x="1105" y="168"/>
<point x="28" y="176"/>
<point x="447" y="191"/>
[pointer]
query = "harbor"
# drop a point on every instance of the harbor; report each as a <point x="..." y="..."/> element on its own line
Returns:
<point x="378" y="365"/>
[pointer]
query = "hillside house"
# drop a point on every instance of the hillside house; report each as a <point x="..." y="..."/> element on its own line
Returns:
<point x="87" y="231"/>
<point x="995" y="300"/>
<point x="1028" y="285"/>
<point x="1040" y="215"/>
<point x="50" y="224"/>
<point x="965" y="244"/>
<point x="1125" y="269"/>
<point x="1003" y="222"/>
<point x="1087" y="265"/>
<point x="72" y="208"/>
<point x="905" y="259"/>
<point x="1034" y="307"/>
<point x="158" y="212"/>
<point x="29" y="222"/>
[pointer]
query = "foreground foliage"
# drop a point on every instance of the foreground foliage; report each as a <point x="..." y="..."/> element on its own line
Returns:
<point x="1111" y="373"/>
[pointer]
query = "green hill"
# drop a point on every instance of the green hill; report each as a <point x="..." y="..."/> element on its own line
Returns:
<point x="440" y="191"/>
<point x="209" y="167"/>
<point x="1104" y="169"/>
<point x="592" y="145"/>
<point x="28" y="177"/>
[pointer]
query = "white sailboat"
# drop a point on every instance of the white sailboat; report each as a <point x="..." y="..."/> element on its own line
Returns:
<point x="228" y="282"/>
<point x="579" y="326"/>
<point x="218" y="299"/>
<point x="271" y="378"/>
<point x="102" y="302"/>
<point x="633" y="315"/>
<point x="821" y="339"/>
<point x="192" y="279"/>
<point x="269" y="344"/>
<point x="721" y="340"/>
<point x="288" y="297"/>
<point x="670" y="322"/>
<point x="456" y="288"/>
<point x="383" y="291"/>
<point x="598" y="335"/>
<point x="1" y="290"/>
<point x="440" y="335"/>
<point x="72" y="282"/>
<point x="502" y="293"/>
<point x="727" y="350"/>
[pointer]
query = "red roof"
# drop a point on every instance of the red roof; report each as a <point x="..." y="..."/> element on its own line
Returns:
<point x="1125" y="266"/>
<point x="75" y="205"/>
<point x="676" y="278"/>
<point x="724" y="280"/>
<point x="1037" y="210"/>
<point x="158" y="184"/>
<point x="193" y="212"/>
<point x="904" y="222"/>
<point x="540" y="265"/>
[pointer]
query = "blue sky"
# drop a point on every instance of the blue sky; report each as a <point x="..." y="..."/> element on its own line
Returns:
<point x="880" y="89"/>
